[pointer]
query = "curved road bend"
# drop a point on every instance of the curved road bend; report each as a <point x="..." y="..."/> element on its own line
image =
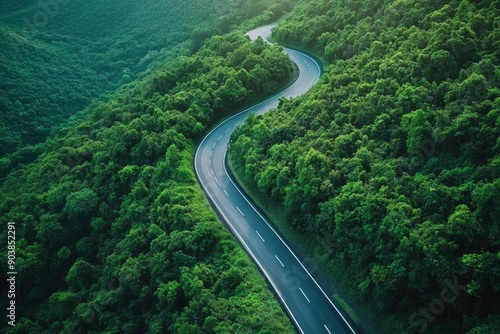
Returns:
<point x="305" y="301"/>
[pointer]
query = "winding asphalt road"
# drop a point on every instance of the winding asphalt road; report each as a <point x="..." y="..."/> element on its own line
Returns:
<point x="305" y="301"/>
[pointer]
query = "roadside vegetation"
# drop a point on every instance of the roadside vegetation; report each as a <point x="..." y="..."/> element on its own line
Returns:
<point x="392" y="159"/>
<point x="114" y="235"/>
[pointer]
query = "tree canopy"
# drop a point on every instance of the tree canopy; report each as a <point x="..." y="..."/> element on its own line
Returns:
<point x="114" y="235"/>
<point x="393" y="155"/>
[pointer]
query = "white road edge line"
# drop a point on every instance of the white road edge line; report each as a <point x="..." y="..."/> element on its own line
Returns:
<point x="260" y="236"/>
<point x="304" y="295"/>
<point x="327" y="329"/>
<point x="252" y="255"/>
<point x="240" y="211"/>
<point x="277" y="258"/>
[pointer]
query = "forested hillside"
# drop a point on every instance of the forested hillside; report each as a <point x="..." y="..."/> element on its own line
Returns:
<point x="56" y="56"/>
<point x="393" y="158"/>
<point x="113" y="233"/>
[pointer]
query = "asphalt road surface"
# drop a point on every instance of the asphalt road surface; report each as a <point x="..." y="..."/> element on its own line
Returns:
<point x="307" y="304"/>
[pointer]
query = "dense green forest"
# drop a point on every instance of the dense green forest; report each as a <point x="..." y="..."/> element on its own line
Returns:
<point x="56" y="56"/>
<point x="114" y="235"/>
<point x="394" y="156"/>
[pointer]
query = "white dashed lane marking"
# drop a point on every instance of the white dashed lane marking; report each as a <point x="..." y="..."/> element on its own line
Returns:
<point x="218" y="182"/>
<point x="260" y="236"/>
<point x="240" y="211"/>
<point x="277" y="258"/>
<point x="304" y="295"/>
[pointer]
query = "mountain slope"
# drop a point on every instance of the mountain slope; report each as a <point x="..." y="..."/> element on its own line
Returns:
<point x="113" y="234"/>
<point x="57" y="56"/>
<point x="393" y="159"/>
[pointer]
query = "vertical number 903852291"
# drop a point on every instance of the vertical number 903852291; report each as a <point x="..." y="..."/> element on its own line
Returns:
<point x="11" y="246"/>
